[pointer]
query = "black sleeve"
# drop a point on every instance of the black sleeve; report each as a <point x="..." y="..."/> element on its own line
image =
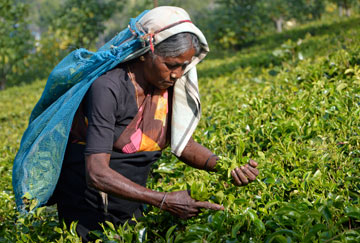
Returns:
<point x="101" y="106"/>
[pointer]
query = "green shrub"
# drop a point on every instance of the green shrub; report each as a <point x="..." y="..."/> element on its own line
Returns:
<point x="296" y="115"/>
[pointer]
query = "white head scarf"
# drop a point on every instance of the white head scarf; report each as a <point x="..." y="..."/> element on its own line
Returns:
<point x="161" y="23"/>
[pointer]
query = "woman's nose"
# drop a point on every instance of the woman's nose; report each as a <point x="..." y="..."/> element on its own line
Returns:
<point x="177" y="73"/>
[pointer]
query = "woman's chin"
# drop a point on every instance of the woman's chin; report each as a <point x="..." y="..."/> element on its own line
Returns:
<point x="165" y="85"/>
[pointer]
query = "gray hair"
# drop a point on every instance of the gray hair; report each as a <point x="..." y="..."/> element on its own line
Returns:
<point x="178" y="44"/>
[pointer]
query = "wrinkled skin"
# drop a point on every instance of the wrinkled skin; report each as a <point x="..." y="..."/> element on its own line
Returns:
<point x="180" y="204"/>
<point x="161" y="72"/>
<point x="243" y="175"/>
<point x="196" y="156"/>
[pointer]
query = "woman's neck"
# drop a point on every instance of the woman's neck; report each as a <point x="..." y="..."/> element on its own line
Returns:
<point x="136" y="70"/>
<point x="142" y="88"/>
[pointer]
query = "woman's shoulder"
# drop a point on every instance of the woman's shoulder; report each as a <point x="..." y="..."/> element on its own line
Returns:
<point x="115" y="79"/>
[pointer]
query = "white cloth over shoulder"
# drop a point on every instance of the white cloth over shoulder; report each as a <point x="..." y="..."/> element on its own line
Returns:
<point x="186" y="110"/>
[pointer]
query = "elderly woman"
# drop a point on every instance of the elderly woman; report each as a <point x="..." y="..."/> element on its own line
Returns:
<point x="127" y="117"/>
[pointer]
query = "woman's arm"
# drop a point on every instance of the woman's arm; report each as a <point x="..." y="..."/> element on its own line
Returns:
<point x="101" y="177"/>
<point x="200" y="157"/>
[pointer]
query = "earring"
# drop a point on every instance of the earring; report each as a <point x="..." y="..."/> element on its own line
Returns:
<point x="142" y="58"/>
<point x="173" y="75"/>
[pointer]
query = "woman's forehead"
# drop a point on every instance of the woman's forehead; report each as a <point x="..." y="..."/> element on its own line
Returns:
<point x="183" y="59"/>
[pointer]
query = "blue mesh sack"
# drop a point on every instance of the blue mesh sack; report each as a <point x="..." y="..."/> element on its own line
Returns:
<point x="37" y="165"/>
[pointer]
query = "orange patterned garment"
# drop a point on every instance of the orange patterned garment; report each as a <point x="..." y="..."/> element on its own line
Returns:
<point x="148" y="130"/>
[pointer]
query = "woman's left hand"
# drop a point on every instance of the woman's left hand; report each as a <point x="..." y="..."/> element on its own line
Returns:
<point x="245" y="174"/>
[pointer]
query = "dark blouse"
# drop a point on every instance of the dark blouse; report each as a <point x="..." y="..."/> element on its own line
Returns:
<point x="109" y="106"/>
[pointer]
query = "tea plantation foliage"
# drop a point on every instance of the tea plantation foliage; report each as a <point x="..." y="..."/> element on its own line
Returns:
<point x="290" y="101"/>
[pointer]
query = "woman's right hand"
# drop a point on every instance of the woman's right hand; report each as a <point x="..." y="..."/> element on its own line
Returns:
<point x="243" y="175"/>
<point x="180" y="204"/>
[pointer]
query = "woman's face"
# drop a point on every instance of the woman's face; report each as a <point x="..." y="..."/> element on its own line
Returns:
<point x="162" y="72"/>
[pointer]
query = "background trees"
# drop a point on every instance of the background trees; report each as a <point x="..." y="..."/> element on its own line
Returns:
<point x="16" y="41"/>
<point x="36" y="34"/>
<point x="80" y="22"/>
<point x="290" y="101"/>
<point x="294" y="108"/>
<point x="345" y="6"/>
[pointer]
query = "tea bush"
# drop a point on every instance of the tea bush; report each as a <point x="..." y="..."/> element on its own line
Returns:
<point x="292" y="105"/>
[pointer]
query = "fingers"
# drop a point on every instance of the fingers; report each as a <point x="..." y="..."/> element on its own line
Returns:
<point x="240" y="174"/>
<point x="248" y="173"/>
<point x="193" y="210"/>
<point x="181" y="204"/>
<point x="252" y="170"/>
<point x="208" y="205"/>
<point x="188" y="215"/>
<point x="245" y="174"/>
<point x="191" y="215"/>
<point x="253" y="163"/>
<point x="236" y="178"/>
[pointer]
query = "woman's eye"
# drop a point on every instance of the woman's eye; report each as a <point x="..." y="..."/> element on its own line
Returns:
<point x="171" y="66"/>
<point x="174" y="66"/>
